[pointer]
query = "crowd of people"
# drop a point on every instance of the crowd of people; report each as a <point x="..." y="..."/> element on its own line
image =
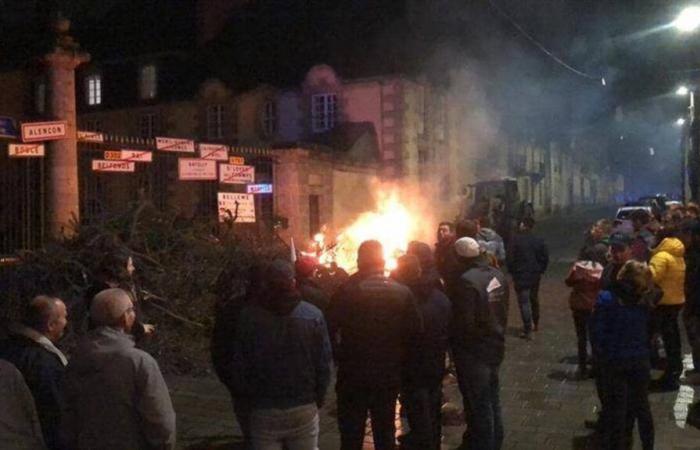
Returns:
<point x="388" y="336"/>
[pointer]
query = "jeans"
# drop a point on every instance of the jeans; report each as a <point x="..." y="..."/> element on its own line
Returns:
<point x="293" y="428"/>
<point x="478" y="383"/>
<point x="692" y="329"/>
<point x="353" y="404"/>
<point x="424" y="414"/>
<point x="626" y="387"/>
<point x="667" y="320"/>
<point x="529" y="303"/>
<point x="582" y="335"/>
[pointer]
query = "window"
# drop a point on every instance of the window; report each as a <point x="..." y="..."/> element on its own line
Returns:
<point x="93" y="88"/>
<point x="215" y="121"/>
<point x="314" y="215"/>
<point x="40" y="97"/>
<point x="93" y="125"/>
<point x="323" y="112"/>
<point x="270" y="118"/>
<point x="148" y="82"/>
<point x="148" y="125"/>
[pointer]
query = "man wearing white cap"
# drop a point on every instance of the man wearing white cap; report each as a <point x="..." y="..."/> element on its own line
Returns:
<point x="115" y="395"/>
<point x="477" y="337"/>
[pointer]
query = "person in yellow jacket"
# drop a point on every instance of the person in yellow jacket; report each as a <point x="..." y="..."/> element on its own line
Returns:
<point x="668" y="269"/>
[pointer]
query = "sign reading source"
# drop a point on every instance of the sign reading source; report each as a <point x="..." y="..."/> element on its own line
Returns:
<point x="259" y="189"/>
<point x="218" y="152"/>
<point x="195" y="169"/>
<point x="174" y="145"/>
<point x="44" y="131"/>
<point x="129" y="155"/>
<point x="237" y="160"/>
<point x="238" y="206"/>
<point x="233" y="174"/>
<point x="90" y="136"/>
<point x="101" y="165"/>
<point x="25" y="150"/>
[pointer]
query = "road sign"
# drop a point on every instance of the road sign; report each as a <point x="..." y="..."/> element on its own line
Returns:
<point x="196" y="169"/>
<point x="233" y="174"/>
<point x="259" y="189"/>
<point x="174" y="145"/>
<point x="218" y="152"/>
<point x="101" y="165"/>
<point x="240" y="206"/>
<point x="237" y="160"/>
<point x="44" y="131"/>
<point x="129" y="155"/>
<point x="25" y="150"/>
<point x="8" y="127"/>
<point x="90" y="136"/>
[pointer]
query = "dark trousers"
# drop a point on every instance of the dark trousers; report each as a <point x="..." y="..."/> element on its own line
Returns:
<point x="667" y="321"/>
<point x="242" y="410"/>
<point x="423" y="411"/>
<point x="479" y="385"/>
<point x="692" y="329"/>
<point x="529" y="303"/>
<point x="582" y="336"/>
<point x="626" y="390"/>
<point x="354" y="402"/>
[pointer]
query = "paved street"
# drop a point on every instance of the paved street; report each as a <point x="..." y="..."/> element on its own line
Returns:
<point x="544" y="406"/>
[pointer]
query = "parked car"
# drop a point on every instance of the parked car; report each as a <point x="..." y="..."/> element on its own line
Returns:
<point x="624" y="212"/>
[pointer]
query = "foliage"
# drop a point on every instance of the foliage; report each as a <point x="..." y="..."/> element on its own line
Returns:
<point x="183" y="267"/>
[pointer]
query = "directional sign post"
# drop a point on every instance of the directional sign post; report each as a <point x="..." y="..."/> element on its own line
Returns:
<point x="196" y="169"/>
<point x="239" y="206"/>
<point x="218" y="152"/>
<point x="233" y="174"/>
<point x="259" y="189"/>
<point x="101" y="165"/>
<point x="25" y="150"/>
<point x="174" y="145"/>
<point x="44" y="131"/>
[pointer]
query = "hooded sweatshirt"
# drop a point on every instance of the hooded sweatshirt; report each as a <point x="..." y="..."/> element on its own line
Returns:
<point x="668" y="268"/>
<point x="115" y="396"/>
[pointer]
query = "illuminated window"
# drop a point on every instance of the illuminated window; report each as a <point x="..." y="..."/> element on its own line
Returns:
<point x="323" y="112"/>
<point x="93" y="87"/>
<point x="148" y="82"/>
<point x="270" y="118"/>
<point x="215" y="121"/>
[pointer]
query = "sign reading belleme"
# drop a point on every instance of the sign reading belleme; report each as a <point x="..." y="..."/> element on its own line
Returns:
<point x="240" y="206"/>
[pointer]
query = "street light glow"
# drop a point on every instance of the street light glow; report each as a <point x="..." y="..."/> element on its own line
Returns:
<point x="680" y="122"/>
<point x="682" y="91"/>
<point x="688" y="20"/>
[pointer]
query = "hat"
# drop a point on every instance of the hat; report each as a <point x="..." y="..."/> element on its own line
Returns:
<point x="620" y="239"/>
<point x="467" y="247"/>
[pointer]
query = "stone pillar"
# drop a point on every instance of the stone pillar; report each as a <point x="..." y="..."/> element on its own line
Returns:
<point x="63" y="199"/>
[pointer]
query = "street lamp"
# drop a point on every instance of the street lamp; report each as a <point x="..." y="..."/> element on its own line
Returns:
<point x="680" y="122"/>
<point x="688" y="20"/>
<point x="682" y="91"/>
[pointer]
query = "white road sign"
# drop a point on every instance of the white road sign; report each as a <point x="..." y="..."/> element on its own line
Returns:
<point x="25" y="150"/>
<point x="101" y="165"/>
<point x="218" y="152"/>
<point x="240" y="206"/>
<point x="174" y="145"/>
<point x="90" y="136"/>
<point x="196" y="169"/>
<point x="259" y="189"/>
<point x="234" y="174"/>
<point x="129" y="155"/>
<point x="44" y="131"/>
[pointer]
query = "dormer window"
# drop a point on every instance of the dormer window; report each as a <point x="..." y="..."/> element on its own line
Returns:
<point x="148" y="82"/>
<point x="93" y="89"/>
<point x="323" y="112"/>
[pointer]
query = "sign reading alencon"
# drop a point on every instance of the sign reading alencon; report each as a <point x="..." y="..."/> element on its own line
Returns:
<point x="233" y="174"/>
<point x="44" y="131"/>
<point x="240" y="206"/>
<point x="101" y="165"/>
<point x="259" y="189"/>
<point x="129" y="155"/>
<point x="174" y="145"/>
<point x="196" y="169"/>
<point x="217" y="152"/>
<point x="25" y="150"/>
<point x="90" y="136"/>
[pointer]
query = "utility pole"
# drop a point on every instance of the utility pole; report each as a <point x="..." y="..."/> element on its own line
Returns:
<point x="63" y="199"/>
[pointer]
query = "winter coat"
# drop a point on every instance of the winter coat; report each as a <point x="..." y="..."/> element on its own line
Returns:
<point x="480" y="313"/>
<point x="668" y="268"/>
<point x="372" y="320"/>
<point x="491" y="243"/>
<point x="19" y="423"/>
<point x="282" y="354"/>
<point x="527" y="259"/>
<point x="620" y="324"/>
<point x="425" y="367"/>
<point x="692" y="281"/>
<point x="594" y="251"/>
<point x="115" y="396"/>
<point x="42" y="365"/>
<point x="443" y="256"/>
<point x="584" y="278"/>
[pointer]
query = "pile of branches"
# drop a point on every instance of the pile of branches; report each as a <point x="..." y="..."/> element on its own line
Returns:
<point x="183" y="267"/>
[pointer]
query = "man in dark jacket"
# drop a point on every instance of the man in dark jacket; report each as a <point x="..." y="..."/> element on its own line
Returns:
<point x="31" y="349"/>
<point x="281" y="363"/>
<point x="527" y="261"/>
<point x="477" y="339"/>
<point x="691" y="310"/>
<point x="372" y="320"/>
<point x="443" y="246"/>
<point x="421" y="393"/>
